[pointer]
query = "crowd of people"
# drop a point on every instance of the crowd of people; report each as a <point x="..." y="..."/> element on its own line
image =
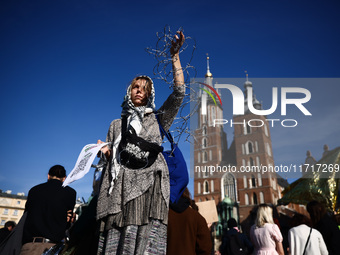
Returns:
<point x="315" y="234"/>
<point x="131" y="211"/>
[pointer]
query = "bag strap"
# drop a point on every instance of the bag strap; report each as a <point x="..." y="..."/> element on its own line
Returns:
<point x="164" y="133"/>
<point x="124" y="126"/>
<point x="304" y="251"/>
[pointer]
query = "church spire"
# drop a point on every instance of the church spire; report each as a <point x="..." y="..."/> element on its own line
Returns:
<point x="208" y="74"/>
<point x="248" y="84"/>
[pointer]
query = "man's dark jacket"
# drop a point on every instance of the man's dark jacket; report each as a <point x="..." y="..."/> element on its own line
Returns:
<point x="47" y="205"/>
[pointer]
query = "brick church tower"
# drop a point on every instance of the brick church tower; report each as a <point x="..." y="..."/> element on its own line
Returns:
<point x="251" y="146"/>
<point x="253" y="149"/>
<point x="210" y="148"/>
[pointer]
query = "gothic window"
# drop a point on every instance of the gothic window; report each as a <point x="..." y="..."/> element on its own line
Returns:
<point x="253" y="181"/>
<point x="268" y="149"/>
<point x="250" y="147"/>
<point x="205" y="157"/>
<point x="261" y="197"/>
<point x="204" y="131"/>
<point x="245" y="181"/>
<point x="204" y="142"/>
<point x="206" y="187"/>
<point x="199" y="157"/>
<point x="256" y="146"/>
<point x="199" y="188"/>
<point x="243" y="150"/>
<point x="248" y="129"/>
<point x="259" y="179"/>
<point x="212" y="185"/>
<point x="213" y="113"/>
<point x="210" y="155"/>
<point x="257" y="161"/>
<point x="229" y="185"/>
<point x="246" y="199"/>
<point x="251" y="161"/>
<point x="243" y="162"/>
<point x="255" y="198"/>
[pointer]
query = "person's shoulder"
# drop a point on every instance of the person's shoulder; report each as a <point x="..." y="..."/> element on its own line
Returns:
<point x="70" y="190"/>
<point x="115" y="122"/>
<point x="316" y="232"/>
<point x="196" y="215"/>
<point x="38" y="187"/>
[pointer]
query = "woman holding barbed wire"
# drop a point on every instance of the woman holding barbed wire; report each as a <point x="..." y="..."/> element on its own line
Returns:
<point x="133" y="200"/>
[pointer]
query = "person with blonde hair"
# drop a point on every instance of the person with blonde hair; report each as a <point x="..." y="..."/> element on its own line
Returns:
<point x="265" y="234"/>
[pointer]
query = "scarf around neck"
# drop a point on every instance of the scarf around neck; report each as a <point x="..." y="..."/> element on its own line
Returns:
<point x="134" y="117"/>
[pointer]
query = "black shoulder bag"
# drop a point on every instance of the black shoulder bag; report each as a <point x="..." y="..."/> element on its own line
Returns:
<point x="134" y="151"/>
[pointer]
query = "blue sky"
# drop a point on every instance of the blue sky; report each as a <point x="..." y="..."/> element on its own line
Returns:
<point x="65" y="65"/>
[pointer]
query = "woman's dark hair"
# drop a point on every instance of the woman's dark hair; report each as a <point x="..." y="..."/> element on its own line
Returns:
<point x="299" y="219"/>
<point x="316" y="211"/>
<point x="186" y="194"/>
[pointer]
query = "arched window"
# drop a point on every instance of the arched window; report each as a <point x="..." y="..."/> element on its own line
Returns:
<point x="261" y="197"/>
<point x="251" y="161"/>
<point x="204" y="142"/>
<point x="204" y="131"/>
<point x="248" y="129"/>
<point x="229" y="186"/>
<point x="244" y="181"/>
<point x="205" y="156"/>
<point x="259" y="179"/>
<point x="257" y="161"/>
<point x="250" y="147"/>
<point x="206" y="187"/>
<point x="246" y="199"/>
<point x="213" y="113"/>
<point x="255" y="198"/>
<point x="253" y="181"/>
<point x="269" y="151"/>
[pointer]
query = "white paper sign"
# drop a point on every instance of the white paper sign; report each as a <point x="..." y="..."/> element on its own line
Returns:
<point x="84" y="162"/>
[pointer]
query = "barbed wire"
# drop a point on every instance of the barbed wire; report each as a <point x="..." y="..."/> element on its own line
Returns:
<point x="163" y="71"/>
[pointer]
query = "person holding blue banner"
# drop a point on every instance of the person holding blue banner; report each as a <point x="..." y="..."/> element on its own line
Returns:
<point x="133" y="198"/>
